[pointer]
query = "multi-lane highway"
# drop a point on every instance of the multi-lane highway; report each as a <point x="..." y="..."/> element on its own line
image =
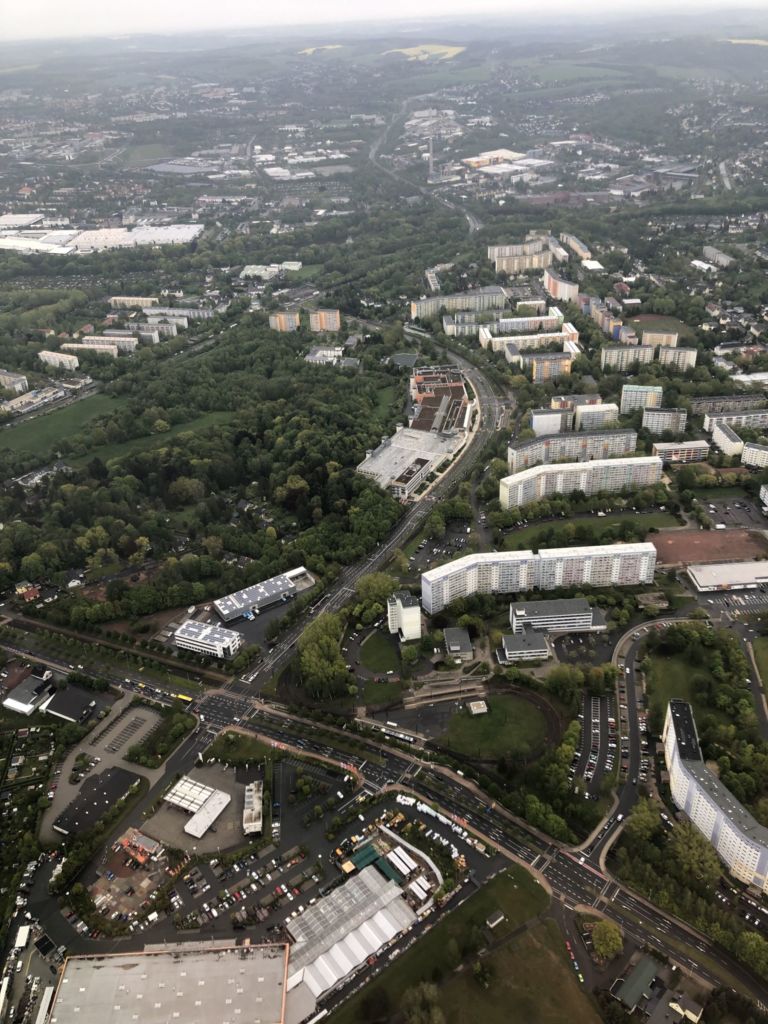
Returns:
<point x="575" y="878"/>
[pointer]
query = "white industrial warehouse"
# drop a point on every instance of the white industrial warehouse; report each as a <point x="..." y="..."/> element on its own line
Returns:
<point x="204" y="803"/>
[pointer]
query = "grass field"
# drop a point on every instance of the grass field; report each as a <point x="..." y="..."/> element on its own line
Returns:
<point x="713" y="493"/>
<point x="140" y="444"/>
<point x="514" y="892"/>
<point x="656" y="322"/>
<point x="675" y="677"/>
<point x="237" y="749"/>
<point x="378" y="693"/>
<point x="760" y="647"/>
<point x="384" y="400"/>
<point x="527" y="536"/>
<point x="380" y="654"/>
<point x="147" y="153"/>
<point x="425" y="51"/>
<point x="516" y="994"/>
<point x="512" y="725"/>
<point x="42" y="433"/>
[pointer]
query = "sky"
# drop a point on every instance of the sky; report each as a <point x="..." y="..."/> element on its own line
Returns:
<point x="47" y="19"/>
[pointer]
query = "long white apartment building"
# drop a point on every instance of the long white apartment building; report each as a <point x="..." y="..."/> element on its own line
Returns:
<point x="745" y="418"/>
<point x="208" y="638"/>
<point x="190" y="312"/>
<point x="125" y="343"/>
<point x="63" y="360"/>
<point x="491" y="297"/>
<point x="514" y="572"/>
<point x="622" y="357"/>
<point x="595" y="416"/>
<point x="498" y="342"/>
<point x="102" y="348"/>
<point x="640" y="396"/>
<point x="571" y="447"/>
<point x="681" y="451"/>
<point x="133" y="301"/>
<point x="740" y="841"/>
<point x="754" y="455"/>
<point x="600" y="475"/>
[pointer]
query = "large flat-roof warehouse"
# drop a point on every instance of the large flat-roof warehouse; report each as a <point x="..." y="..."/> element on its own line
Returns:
<point x="260" y="595"/>
<point x="729" y="575"/>
<point x="192" y="984"/>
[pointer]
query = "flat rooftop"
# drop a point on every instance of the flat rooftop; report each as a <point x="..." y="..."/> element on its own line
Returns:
<point x="395" y="455"/>
<point x="192" y="985"/>
<point x="555" y="606"/>
<point x="728" y="575"/>
<point x="205" y="631"/>
<point x="98" y="794"/>
<point x="260" y="595"/>
<point x="685" y="730"/>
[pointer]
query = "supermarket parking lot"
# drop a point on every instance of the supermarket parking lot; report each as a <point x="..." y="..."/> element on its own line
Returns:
<point x="745" y="602"/>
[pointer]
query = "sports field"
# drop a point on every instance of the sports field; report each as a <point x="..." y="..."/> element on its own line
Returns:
<point x="656" y="322"/>
<point x="675" y="547"/>
<point x="40" y="434"/>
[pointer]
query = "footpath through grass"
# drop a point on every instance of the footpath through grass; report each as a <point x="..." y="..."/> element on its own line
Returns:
<point x="515" y="893"/>
<point x="511" y="726"/>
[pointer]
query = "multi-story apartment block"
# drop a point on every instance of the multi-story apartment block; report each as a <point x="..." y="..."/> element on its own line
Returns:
<point x="571" y="401"/>
<point x="681" y="451"/>
<point x="560" y="289"/>
<point x="404" y="615"/>
<point x="491" y="297"/>
<point x="209" y="639"/>
<point x="557" y="250"/>
<point x="324" y="320"/>
<point x="764" y="495"/>
<point x="598" y="476"/>
<point x="564" y="615"/>
<point x="61" y="359"/>
<point x="745" y="418"/>
<point x="190" y="312"/>
<point x="595" y="416"/>
<point x="727" y="403"/>
<point x="717" y="256"/>
<point x="640" y="396"/>
<point x="15" y="382"/>
<point x="125" y="342"/>
<point x="727" y="440"/>
<point x="133" y="301"/>
<point x="681" y="358"/>
<point x="101" y="348"/>
<point x="550" y="421"/>
<point x="656" y="421"/>
<point x="660" y="339"/>
<point x="543" y="366"/>
<point x="514" y="572"/>
<point x="498" y="342"/>
<point x="754" y="455"/>
<point x="740" y="841"/>
<point x="574" y="447"/>
<point x="623" y="357"/>
<point x="577" y="246"/>
<point x="533" y="254"/>
<point x="284" y="321"/>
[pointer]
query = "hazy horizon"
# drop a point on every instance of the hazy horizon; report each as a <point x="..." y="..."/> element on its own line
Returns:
<point x="41" y="20"/>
